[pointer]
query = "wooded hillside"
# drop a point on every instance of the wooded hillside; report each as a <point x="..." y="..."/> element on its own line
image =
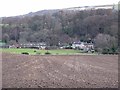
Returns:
<point x="99" y="26"/>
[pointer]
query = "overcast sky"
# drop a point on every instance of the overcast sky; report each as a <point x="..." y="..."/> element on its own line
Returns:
<point x="20" y="7"/>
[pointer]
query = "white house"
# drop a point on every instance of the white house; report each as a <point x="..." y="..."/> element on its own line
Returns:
<point x="41" y="45"/>
<point x="77" y="45"/>
<point x="83" y="46"/>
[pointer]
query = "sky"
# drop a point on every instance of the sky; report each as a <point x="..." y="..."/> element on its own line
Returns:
<point x="20" y="7"/>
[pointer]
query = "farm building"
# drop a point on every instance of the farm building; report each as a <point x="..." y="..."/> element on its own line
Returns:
<point x="83" y="46"/>
<point x="30" y="45"/>
<point x="3" y="45"/>
<point x="33" y="45"/>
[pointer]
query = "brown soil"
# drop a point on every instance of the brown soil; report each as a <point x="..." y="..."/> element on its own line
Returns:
<point x="54" y="71"/>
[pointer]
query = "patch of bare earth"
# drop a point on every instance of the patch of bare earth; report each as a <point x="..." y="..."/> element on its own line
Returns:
<point x="54" y="71"/>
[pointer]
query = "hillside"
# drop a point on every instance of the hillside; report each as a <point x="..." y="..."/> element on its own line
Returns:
<point x="64" y="26"/>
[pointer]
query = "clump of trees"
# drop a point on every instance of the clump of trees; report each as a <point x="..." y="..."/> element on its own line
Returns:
<point x="99" y="26"/>
<point x="106" y="44"/>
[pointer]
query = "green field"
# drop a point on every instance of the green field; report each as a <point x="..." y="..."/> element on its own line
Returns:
<point x="42" y="52"/>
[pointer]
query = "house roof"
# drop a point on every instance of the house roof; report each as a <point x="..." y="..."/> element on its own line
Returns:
<point x="85" y="43"/>
<point x="77" y="42"/>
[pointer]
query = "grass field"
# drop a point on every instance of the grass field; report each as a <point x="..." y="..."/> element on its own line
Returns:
<point x="42" y="52"/>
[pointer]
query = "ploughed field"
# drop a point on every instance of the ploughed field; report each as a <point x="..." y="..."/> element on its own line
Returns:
<point x="59" y="71"/>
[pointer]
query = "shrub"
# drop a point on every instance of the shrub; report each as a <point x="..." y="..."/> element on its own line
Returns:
<point x="92" y="51"/>
<point x="68" y="47"/>
<point x="116" y="53"/>
<point x="113" y="51"/>
<point x="110" y="52"/>
<point x="47" y="52"/>
<point x="25" y="53"/>
<point x="105" y="51"/>
<point x="35" y="51"/>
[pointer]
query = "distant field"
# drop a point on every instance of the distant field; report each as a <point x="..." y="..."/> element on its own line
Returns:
<point x="42" y="52"/>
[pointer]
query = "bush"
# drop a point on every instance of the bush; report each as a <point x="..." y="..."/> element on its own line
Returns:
<point x="92" y="51"/>
<point x="35" y="51"/>
<point x="113" y="52"/>
<point x="116" y="53"/>
<point x="105" y="51"/>
<point x="25" y="53"/>
<point x="109" y="51"/>
<point x="68" y="47"/>
<point x="47" y="52"/>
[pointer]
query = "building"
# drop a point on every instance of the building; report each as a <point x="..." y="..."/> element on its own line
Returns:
<point x="83" y="46"/>
<point x="3" y="45"/>
<point x="30" y="45"/>
<point x="77" y="45"/>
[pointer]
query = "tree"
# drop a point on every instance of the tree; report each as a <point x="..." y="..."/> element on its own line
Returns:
<point x="64" y="26"/>
<point x="106" y="42"/>
<point x="5" y="38"/>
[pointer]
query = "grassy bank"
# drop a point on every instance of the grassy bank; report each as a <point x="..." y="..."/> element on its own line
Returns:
<point x="42" y="52"/>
